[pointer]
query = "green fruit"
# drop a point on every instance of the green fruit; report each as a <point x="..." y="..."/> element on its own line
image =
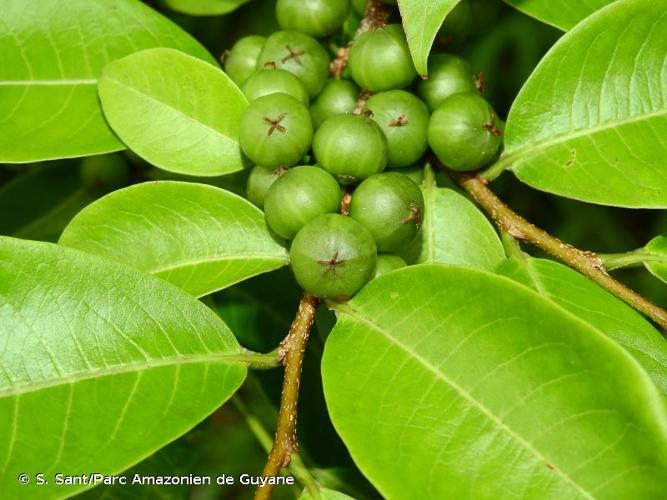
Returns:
<point x="104" y="173"/>
<point x="265" y="82"/>
<point x="447" y="75"/>
<point x="464" y="132"/>
<point x="241" y="61"/>
<point x="301" y="55"/>
<point x="391" y="207"/>
<point x="333" y="256"/>
<point x="276" y="130"/>
<point x="337" y="98"/>
<point x="380" y="60"/>
<point x="350" y="147"/>
<point x="259" y="182"/>
<point x="316" y="18"/>
<point x="404" y="120"/>
<point x="387" y="263"/>
<point x="300" y="195"/>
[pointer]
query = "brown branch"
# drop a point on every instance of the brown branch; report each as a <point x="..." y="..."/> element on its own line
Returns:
<point x="587" y="263"/>
<point x="291" y="351"/>
<point x="376" y="16"/>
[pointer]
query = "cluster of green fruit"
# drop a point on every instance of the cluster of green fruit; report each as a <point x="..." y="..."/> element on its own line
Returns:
<point x="352" y="142"/>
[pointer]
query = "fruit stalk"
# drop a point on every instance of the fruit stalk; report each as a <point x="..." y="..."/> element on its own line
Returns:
<point x="376" y="15"/>
<point x="586" y="262"/>
<point x="291" y="351"/>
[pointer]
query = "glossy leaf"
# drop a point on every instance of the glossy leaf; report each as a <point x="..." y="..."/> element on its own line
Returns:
<point x="597" y="307"/>
<point x="326" y="494"/>
<point x="101" y="365"/>
<point x="446" y="382"/>
<point x="175" y="111"/>
<point x="196" y="236"/>
<point x="656" y="261"/>
<point x="52" y="54"/>
<point x="204" y="7"/>
<point x="454" y="232"/>
<point x="563" y="14"/>
<point x="421" y="21"/>
<point x="590" y="122"/>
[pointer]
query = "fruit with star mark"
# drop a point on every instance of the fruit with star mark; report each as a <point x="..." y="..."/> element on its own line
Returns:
<point x="403" y="118"/>
<point x="276" y="130"/>
<point x="391" y="206"/>
<point x="333" y="256"/>
<point x="464" y="132"/>
<point x="301" y="55"/>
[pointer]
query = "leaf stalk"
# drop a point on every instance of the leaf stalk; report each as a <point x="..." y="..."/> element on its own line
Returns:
<point x="586" y="262"/>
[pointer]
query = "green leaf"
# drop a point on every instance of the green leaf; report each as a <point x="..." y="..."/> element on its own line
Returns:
<point x="204" y="7"/>
<point x="52" y="53"/>
<point x="101" y="365"/>
<point x="448" y="382"/>
<point x="326" y="494"/>
<point x="42" y="202"/>
<point x="175" y="111"/>
<point x="454" y="232"/>
<point x="195" y="236"/>
<point x="421" y="21"/>
<point x="600" y="309"/>
<point x="656" y="257"/>
<point x="562" y="14"/>
<point x="590" y="122"/>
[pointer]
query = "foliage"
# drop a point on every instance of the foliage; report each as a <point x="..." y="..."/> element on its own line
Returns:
<point x="478" y="370"/>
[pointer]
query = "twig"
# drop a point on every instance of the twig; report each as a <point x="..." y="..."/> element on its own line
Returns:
<point x="376" y="16"/>
<point x="296" y="467"/>
<point x="364" y="95"/>
<point x="292" y="350"/>
<point x="587" y="263"/>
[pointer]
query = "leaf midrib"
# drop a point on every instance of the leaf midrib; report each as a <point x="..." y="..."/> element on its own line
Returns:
<point x="194" y="262"/>
<point x="240" y="358"/>
<point x="355" y="315"/>
<point x="46" y="83"/>
<point x="194" y="120"/>
<point x="525" y="152"/>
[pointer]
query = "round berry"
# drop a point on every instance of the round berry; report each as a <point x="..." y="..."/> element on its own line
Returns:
<point x="351" y="147"/>
<point x="104" y="173"/>
<point x="300" y="195"/>
<point x="276" y="130"/>
<point x="447" y="75"/>
<point x="387" y="263"/>
<point x="241" y="61"/>
<point x="404" y="120"/>
<point x="316" y="18"/>
<point x="301" y="55"/>
<point x="265" y="82"/>
<point x="359" y="6"/>
<point x="380" y="60"/>
<point x="464" y="132"/>
<point x="391" y="207"/>
<point x="337" y="98"/>
<point x="259" y="182"/>
<point x="333" y="256"/>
